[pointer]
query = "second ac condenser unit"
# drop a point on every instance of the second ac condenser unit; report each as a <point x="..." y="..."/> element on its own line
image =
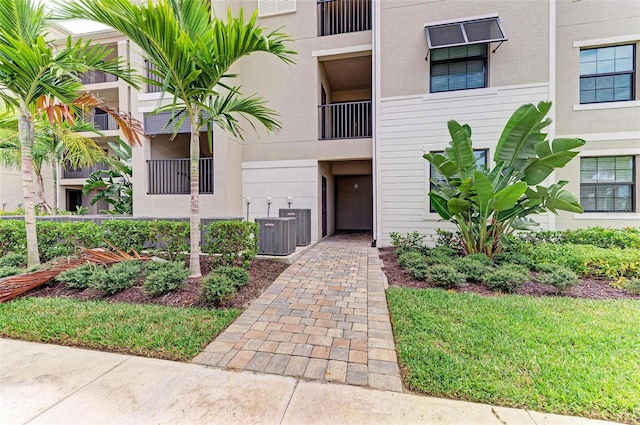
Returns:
<point x="277" y="235"/>
<point x="303" y="224"/>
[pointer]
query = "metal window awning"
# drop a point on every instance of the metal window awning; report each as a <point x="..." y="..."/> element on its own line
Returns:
<point x="462" y="33"/>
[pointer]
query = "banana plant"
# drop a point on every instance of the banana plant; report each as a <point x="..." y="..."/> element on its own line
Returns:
<point x="488" y="205"/>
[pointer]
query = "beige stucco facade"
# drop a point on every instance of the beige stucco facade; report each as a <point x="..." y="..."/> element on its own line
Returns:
<point x="357" y="111"/>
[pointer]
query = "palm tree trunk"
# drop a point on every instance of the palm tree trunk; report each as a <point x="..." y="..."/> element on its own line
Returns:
<point x="26" y="134"/>
<point x="40" y="191"/>
<point x="54" y="166"/>
<point x="194" y="212"/>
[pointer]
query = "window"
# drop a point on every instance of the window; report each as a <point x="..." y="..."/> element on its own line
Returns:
<point x="607" y="184"/>
<point x="473" y="31"/>
<point x="459" y="68"/>
<point x="481" y="162"/>
<point x="275" y="7"/>
<point x="607" y="74"/>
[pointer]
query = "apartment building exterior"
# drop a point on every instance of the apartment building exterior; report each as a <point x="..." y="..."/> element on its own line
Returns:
<point x="372" y="90"/>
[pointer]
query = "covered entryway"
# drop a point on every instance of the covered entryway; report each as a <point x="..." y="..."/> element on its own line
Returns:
<point x="354" y="203"/>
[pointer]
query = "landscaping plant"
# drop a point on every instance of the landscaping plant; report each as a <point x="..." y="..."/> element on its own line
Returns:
<point x="13" y="259"/>
<point x="238" y="275"/>
<point x="217" y="289"/>
<point x="444" y="276"/>
<point x="487" y="205"/>
<point x="508" y="277"/>
<point x="235" y="241"/>
<point x="79" y="277"/>
<point x="116" y="278"/>
<point x="165" y="277"/>
<point x="556" y="275"/>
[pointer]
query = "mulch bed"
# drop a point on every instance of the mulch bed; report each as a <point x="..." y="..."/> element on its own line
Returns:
<point x="262" y="273"/>
<point x="586" y="288"/>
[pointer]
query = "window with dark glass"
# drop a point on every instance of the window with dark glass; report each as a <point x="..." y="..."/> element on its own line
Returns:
<point x="481" y="162"/>
<point x="607" y="74"/>
<point x="459" y="68"/>
<point x="607" y="184"/>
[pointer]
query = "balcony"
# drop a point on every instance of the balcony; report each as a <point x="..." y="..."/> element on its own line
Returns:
<point x="343" y="16"/>
<point x="104" y="122"/>
<point x="347" y="120"/>
<point x="171" y="176"/>
<point x="83" y="172"/>
<point x="148" y="69"/>
<point x="95" y="77"/>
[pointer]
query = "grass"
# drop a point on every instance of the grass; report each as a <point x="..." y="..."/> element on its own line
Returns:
<point x="562" y="355"/>
<point x="145" y="330"/>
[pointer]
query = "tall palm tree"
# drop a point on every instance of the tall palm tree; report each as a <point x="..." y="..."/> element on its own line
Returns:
<point x="191" y="51"/>
<point x="30" y="68"/>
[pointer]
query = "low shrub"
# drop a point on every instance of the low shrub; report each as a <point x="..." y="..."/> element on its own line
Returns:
<point x="171" y="236"/>
<point x="587" y="260"/>
<point x="117" y="278"/>
<point x="627" y="238"/>
<point x="217" y="289"/>
<point x="556" y="275"/>
<point x="507" y="277"/>
<point x="166" y="277"/>
<point x="473" y="266"/>
<point x="13" y="236"/>
<point x="14" y="259"/>
<point x="238" y="275"/>
<point x="513" y="256"/>
<point x="444" y="276"/>
<point x="441" y="255"/>
<point x="235" y="241"/>
<point x="414" y="262"/>
<point x="10" y="271"/>
<point x="408" y="241"/>
<point x="448" y="239"/>
<point x="80" y="277"/>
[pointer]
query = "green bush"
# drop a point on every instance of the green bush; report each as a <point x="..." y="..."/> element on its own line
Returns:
<point x="414" y="262"/>
<point x="444" y="276"/>
<point x="441" y="255"/>
<point x="627" y="238"/>
<point x="632" y="285"/>
<point x="235" y="241"/>
<point x="14" y="259"/>
<point x="165" y="278"/>
<point x="587" y="260"/>
<point x="513" y="256"/>
<point x="10" y="271"/>
<point x="217" y="289"/>
<point x="62" y="239"/>
<point x="556" y="275"/>
<point x="238" y="275"/>
<point x="508" y="277"/>
<point x="118" y="277"/>
<point x="80" y="277"/>
<point x="126" y="234"/>
<point x="448" y="239"/>
<point x="407" y="241"/>
<point x="13" y="236"/>
<point x="172" y="236"/>
<point x="473" y="266"/>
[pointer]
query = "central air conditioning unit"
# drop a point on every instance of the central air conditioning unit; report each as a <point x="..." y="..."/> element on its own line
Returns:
<point x="303" y="224"/>
<point x="277" y="235"/>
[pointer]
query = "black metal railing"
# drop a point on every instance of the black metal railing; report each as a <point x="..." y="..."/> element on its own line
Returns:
<point x="95" y="77"/>
<point x="104" y="122"/>
<point x="171" y="176"/>
<point x="152" y="88"/>
<point x="343" y="16"/>
<point x="348" y="120"/>
<point x="82" y="172"/>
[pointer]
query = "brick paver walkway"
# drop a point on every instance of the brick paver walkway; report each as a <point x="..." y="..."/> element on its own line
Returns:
<point x="325" y="318"/>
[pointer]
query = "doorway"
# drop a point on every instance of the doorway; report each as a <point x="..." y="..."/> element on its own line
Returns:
<point x="324" y="206"/>
<point x="74" y="199"/>
<point x="354" y="203"/>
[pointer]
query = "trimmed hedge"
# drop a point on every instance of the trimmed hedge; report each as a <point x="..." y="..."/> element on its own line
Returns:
<point x="235" y="241"/>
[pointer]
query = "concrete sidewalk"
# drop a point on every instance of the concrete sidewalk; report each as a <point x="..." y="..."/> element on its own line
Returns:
<point x="50" y="384"/>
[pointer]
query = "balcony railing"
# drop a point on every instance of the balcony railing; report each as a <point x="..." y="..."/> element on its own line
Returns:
<point x="83" y="172"/>
<point x="171" y="176"/>
<point x="349" y="120"/>
<point x="95" y="77"/>
<point x="104" y="122"/>
<point x="343" y="16"/>
<point x="152" y="88"/>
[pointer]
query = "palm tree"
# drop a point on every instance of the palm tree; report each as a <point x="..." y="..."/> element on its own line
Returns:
<point x="191" y="51"/>
<point x="30" y="68"/>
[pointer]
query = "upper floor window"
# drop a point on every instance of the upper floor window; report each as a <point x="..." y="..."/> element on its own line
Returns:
<point x="459" y="68"/>
<point x="275" y="7"/>
<point x="607" y="74"/>
<point x="607" y="183"/>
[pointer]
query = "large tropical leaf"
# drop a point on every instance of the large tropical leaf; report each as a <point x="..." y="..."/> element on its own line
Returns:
<point x="506" y="198"/>
<point x="550" y="157"/>
<point x="460" y="150"/>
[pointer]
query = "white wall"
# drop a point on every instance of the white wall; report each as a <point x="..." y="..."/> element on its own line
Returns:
<point x="279" y="180"/>
<point x="412" y="125"/>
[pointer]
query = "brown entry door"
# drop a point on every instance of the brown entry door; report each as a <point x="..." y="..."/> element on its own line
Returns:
<point x="354" y="203"/>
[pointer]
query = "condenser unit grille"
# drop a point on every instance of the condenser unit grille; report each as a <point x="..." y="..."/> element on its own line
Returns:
<point x="303" y="224"/>
<point x="277" y="235"/>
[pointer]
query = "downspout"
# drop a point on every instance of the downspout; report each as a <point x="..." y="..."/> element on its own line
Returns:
<point x="375" y="106"/>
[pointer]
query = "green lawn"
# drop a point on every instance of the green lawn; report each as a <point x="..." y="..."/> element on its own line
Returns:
<point x="145" y="330"/>
<point x="562" y="355"/>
